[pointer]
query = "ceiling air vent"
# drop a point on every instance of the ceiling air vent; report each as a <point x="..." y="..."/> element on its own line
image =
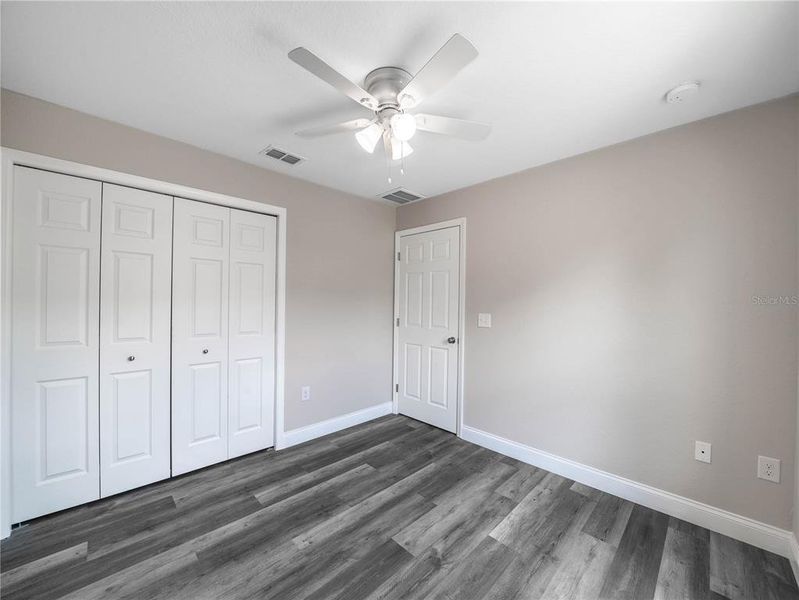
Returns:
<point x="281" y="155"/>
<point x="401" y="196"/>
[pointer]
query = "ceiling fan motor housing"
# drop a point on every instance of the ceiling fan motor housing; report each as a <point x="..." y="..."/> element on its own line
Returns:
<point x="385" y="84"/>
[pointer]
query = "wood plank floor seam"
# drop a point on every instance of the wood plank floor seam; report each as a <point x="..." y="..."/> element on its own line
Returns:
<point x="390" y="509"/>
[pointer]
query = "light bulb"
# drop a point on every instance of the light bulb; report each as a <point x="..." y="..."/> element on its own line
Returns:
<point x="369" y="137"/>
<point x="400" y="149"/>
<point x="403" y="126"/>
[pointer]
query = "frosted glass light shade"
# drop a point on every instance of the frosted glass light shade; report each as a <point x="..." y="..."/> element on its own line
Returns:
<point x="369" y="137"/>
<point x="400" y="149"/>
<point x="403" y="126"/>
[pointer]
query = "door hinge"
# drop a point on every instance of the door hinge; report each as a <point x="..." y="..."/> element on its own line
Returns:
<point x="397" y="321"/>
<point x="396" y="388"/>
<point x="398" y="256"/>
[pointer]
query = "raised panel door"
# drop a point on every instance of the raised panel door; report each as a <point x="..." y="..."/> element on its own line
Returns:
<point x="200" y="291"/>
<point x="253" y="247"/>
<point x="55" y="349"/>
<point x="135" y="318"/>
<point x="428" y="326"/>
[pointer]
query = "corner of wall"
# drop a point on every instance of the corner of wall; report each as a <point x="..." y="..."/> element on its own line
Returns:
<point x="796" y="291"/>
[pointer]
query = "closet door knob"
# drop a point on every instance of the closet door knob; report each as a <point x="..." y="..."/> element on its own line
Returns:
<point x="205" y="350"/>
<point x="131" y="358"/>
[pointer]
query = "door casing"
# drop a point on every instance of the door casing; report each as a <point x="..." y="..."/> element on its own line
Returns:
<point x="461" y="224"/>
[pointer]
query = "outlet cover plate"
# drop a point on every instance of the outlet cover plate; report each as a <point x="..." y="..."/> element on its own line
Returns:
<point x="306" y="392"/>
<point x="768" y="468"/>
<point x="702" y="451"/>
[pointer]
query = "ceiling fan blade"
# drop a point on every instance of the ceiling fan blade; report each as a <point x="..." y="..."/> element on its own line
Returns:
<point x="467" y="130"/>
<point x="353" y="125"/>
<point x="310" y="62"/>
<point x="445" y="64"/>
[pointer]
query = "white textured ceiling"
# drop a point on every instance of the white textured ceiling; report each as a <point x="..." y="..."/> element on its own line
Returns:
<point x="554" y="79"/>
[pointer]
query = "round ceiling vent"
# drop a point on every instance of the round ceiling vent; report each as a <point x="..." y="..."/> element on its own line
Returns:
<point x="683" y="92"/>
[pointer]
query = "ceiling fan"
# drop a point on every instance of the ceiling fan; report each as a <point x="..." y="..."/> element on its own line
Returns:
<point x="389" y="92"/>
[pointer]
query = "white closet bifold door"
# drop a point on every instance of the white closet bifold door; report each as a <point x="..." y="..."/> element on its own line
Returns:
<point x="134" y="338"/>
<point x="199" y="335"/>
<point x="55" y="342"/>
<point x="251" y="405"/>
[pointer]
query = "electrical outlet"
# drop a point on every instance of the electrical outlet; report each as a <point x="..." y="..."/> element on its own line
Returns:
<point x="306" y="392"/>
<point x="484" y="319"/>
<point x="702" y="451"/>
<point x="768" y="468"/>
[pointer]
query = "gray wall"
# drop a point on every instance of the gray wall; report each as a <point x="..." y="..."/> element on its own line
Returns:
<point x="624" y="328"/>
<point x="339" y="255"/>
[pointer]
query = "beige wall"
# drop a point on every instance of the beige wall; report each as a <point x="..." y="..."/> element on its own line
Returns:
<point x="339" y="255"/>
<point x="621" y="285"/>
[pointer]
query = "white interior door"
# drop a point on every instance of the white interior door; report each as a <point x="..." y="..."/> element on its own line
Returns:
<point x="135" y="309"/>
<point x="201" y="256"/>
<point x="251" y="404"/>
<point x="429" y="277"/>
<point x="55" y="342"/>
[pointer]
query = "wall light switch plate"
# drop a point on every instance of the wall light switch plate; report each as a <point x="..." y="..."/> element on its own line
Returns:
<point x="702" y="451"/>
<point x="768" y="468"/>
<point x="484" y="319"/>
<point x="306" y="392"/>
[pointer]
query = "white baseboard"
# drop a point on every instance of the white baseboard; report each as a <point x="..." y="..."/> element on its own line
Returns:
<point x="762" y="535"/>
<point x="795" y="557"/>
<point x="310" y="432"/>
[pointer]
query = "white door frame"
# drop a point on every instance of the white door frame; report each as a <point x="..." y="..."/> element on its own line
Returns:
<point x="11" y="158"/>
<point x="461" y="224"/>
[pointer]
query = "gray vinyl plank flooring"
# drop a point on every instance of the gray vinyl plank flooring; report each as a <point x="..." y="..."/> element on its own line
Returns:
<point x="391" y="509"/>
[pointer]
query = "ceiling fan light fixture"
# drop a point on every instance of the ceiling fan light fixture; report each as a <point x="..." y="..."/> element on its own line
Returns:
<point x="403" y="126"/>
<point x="400" y="149"/>
<point x="369" y="137"/>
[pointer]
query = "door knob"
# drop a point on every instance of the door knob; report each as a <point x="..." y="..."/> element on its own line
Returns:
<point x="451" y="340"/>
<point x="131" y="358"/>
<point x="205" y="350"/>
